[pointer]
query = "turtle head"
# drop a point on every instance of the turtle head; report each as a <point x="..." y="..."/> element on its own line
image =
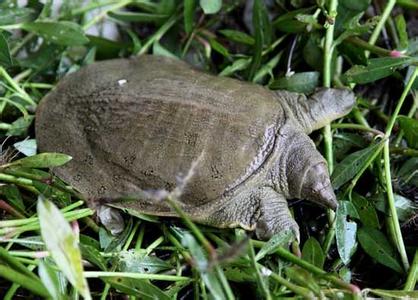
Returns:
<point x="316" y="186"/>
<point x="326" y="105"/>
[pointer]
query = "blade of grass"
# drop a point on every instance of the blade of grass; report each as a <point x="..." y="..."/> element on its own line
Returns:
<point x="29" y="283"/>
<point x="411" y="281"/>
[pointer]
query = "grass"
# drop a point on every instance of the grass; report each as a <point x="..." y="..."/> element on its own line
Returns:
<point x="50" y="244"/>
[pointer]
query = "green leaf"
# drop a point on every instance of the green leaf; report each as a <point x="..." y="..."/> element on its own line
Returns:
<point x="188" y="12"/>
<point x="93" y="255"/>
<point x="405" y="208"/>
<point x="289" y="23"/>
<point x="20" y="126"/>
<point x="5" y="57"/>
<point x="219" y="48"/>
<point x="238" y="65"/>
<point x="353" y="28"/>
<point x="239" y="272"/>
<point x="210" y="6"/>
<point x="238" y="36"/>
<point x="136" y="288"/>
<point x="366" y="211"/>
<point x="267" y="68"/>
<point x="345" y="231"/>
<point x="262" y="32"/>
<point x="16" y="15"/>
<point x="63" y="33"/>
<point x="378" y="247"/>
<point x="138" y="17"/>
<point x="50" y="279"/>
<point x="43" y="160"/>
<point x="408" y="173"/>
<point x="137" y="262"/>
<point x="312" y="252"/>
<point x="410" y="129"/>
<point x="377" y="68"/>
<point x="402" y="33"/>
<point x="62" y="244"/>
<point x="304" y="82"/>
<point x="34" y="286"/>
<point x="280" y="239"/>
<point x="303" y="278"/>
<point x="352" y="164"/>
<point x="13" y="196"/>
<point x="158" y="49"/>
<point x="201" y="263"/>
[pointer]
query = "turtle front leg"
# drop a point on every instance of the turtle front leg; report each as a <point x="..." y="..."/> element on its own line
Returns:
<point x="274" y="215"/>
<point x="260" y="209"/>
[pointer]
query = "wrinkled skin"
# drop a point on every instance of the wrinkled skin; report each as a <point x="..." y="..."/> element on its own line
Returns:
<point x="135" y="125"/>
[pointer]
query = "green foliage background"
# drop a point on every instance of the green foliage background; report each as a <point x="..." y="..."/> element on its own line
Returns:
<point x="50" y="245"/>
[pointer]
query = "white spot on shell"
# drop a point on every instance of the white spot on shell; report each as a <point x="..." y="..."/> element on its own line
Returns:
<point x="121" y="82"/>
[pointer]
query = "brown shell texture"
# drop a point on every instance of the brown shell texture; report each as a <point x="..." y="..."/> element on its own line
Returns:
<point x="139" y="124"/>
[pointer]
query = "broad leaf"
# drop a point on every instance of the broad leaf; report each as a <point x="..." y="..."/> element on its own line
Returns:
<point x="304" y="82"/>
<point x="16" y="15"/>
<point x="345" y="231"/>
<point x="237" y="36"/>
<point x="312" y="252"/>
<point x="5" y="57"/>
<point x="62" y="244"/>
<point x="137" y="262"/>
<point x="138" y="17"/>
<point x="262" y="32"/>
<point x="280" y="239"/>
<point x="366" y="211"/>
<point x="352" y="164"/>
<point x="50" y="279"/>
<point x="210" y="6"/>
<point x="63" y="33"/>
<point x="134" y="287"/>
<point x="378" y="247"/>
<point x="43" y="160"/>
<point x="377" y="68"/>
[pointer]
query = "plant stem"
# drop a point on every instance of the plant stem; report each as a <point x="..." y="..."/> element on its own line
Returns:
<point x="117" y="5"/>
<point x="411" y="4"/>
<point x="376" y="32"/>
<point x="411" y="281"/>
<point x="159" y="34"/>
<point x="35" y="286"/>
<point x="21" y="92"/>
<point x="196" y="231"/>
<point x="305" y="293"/>
<point x="367" y="46"/>
<point x="286" y="255"/>
<point x="397" y="236"/>
<point x="328" y="51"/>
<point x="98" y="274"/>
<point x="256" y="268"/>
<point x="358" y="127"/>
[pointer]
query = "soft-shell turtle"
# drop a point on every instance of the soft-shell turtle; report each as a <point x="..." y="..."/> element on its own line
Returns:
<point x="138" y="124"/>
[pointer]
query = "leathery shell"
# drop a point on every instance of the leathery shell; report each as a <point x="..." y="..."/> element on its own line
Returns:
<point x="139" y="123"/>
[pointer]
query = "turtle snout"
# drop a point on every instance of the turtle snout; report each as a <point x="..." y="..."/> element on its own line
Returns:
<point x="317" y="187"/>
<point x="326" y="197"/>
